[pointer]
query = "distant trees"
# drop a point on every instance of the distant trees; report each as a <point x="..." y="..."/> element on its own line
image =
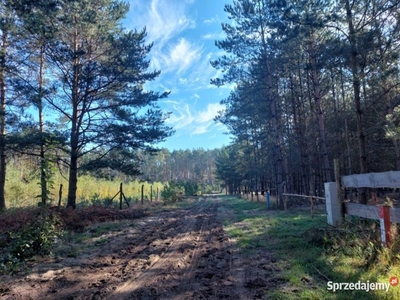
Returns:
<point x="227" y="168"/>
<point x="75" y="60"/>
<point x="195" y="166"/>
<point x="313" y="79"/>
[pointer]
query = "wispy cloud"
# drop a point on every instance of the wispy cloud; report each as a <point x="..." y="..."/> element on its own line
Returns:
<point x="181" y="116"/>
<point x="168" y="24"/>
<point x="210" y="113"/>
<point x="186" y="118"/>
<point x="165" y="20"/>
<point x="182" y="56"/>
<point x="215" y="19"/>
<point x="214" y="36"/>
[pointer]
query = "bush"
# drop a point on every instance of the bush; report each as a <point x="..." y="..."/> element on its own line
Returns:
<point x="172" y="192"/>
<point x="36" y="237"/>
<point x="191" y="188"/>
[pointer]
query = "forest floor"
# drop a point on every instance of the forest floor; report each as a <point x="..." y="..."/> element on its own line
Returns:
<point x="183" y="253"/>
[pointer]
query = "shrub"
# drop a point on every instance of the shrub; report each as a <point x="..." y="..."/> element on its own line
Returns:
<point x="36" y="237"/>
<point x="172" y="192"/>
<point x="191" y="188"/>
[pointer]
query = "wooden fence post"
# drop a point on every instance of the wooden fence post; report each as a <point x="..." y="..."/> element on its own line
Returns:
<point x="151" y="193"/>
<point x="60" y="195"/>
<point x="120" y="195"/>
<point x="338" y="179"/>
<point x="285" y="198"/>
<point x="384" y="218"/>
<point x="312" y="206"/>
<point x="142" y="193"/>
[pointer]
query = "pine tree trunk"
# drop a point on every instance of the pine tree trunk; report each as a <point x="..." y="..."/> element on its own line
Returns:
<point x="274" y="115"/>
<point x="74" y="136"/>
<point x="357" y="100"/>
<point x="3" y="164"/>
<point x="43" y="164"/>
<point x="395" y="140"/>
<point x="319" y="111"/>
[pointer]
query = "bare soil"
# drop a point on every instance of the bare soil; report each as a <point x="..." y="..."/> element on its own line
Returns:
<point x="178" y="254"/>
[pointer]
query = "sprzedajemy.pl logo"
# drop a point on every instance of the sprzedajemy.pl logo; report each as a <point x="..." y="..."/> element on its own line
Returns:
<point x="362" y="286"/>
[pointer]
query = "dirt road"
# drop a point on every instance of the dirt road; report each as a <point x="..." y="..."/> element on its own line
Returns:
<point x="180" y="254"/>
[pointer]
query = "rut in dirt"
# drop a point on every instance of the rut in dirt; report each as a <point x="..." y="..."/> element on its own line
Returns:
<point x="180" y="254"/>
<point x="192" y="262"/>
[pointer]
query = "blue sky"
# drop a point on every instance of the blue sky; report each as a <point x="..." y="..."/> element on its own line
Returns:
<point x="183" y="33"/>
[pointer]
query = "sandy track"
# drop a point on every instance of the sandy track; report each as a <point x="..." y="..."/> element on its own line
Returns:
<point x="184" y="254"/>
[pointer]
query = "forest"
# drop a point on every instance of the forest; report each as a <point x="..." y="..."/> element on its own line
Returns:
<point x="315" y="81"/>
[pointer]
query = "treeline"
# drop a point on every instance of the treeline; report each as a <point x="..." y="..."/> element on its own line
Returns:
<point x="315" y="80"/>
<point x="71" y="90"/>
<point x="195" y="166"/>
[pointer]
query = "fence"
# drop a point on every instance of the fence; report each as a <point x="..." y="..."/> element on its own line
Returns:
<point x="310" y="198"/>
<point x="267" y="196"/>
<point x="121" y="195"/>
<point x="337" y="208"/>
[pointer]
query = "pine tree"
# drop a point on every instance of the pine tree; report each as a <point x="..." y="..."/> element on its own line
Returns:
<point x="101" y="69"/>
<point x="7" y="39"/>
<point x="249" y="42"/>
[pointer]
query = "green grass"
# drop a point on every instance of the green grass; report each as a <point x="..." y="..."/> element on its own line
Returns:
<point x="307" y="256"/>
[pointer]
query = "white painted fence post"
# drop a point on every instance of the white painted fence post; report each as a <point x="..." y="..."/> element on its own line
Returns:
<point x="333" y="205"/>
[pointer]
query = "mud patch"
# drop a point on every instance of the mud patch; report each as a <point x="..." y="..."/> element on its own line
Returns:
<point x="180" y="254"/>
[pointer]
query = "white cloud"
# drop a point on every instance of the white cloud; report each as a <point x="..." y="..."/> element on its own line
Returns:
<point x="214" y="36"/>
<point x="210" y="113"/>
<point x="183" y="81"/>
<point x="215" y="19"/>
<point x="182" y="56"/>
<point x="201" y="129"/>
<point x="164" y="20"/>
<point x="186" y="118"/>
<point x="181" y="116"/>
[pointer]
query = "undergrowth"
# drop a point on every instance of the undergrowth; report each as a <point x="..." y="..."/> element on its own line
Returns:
<point x="29" y="232"/>
<point x="37" y="237"/>
<point x="358" y="239"/>
<point x="309" y="253"/>
<point x="22" y="183"/>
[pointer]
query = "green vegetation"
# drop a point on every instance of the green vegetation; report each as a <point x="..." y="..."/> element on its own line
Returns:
<point x="22" y="186"/>
<point x="310" y="253"/>
<point x="37" y="237"/>
<point x="172" y="191"/>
